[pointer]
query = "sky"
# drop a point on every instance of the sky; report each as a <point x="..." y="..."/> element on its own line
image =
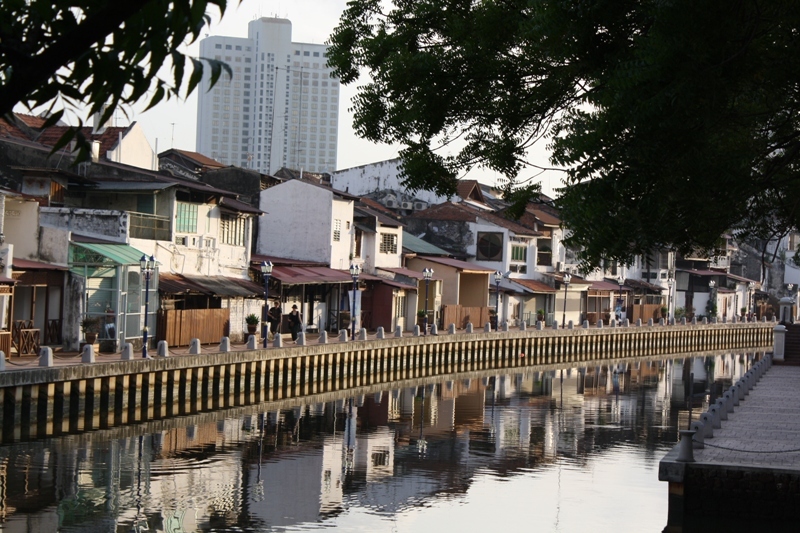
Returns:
<point x="172" y="124"/>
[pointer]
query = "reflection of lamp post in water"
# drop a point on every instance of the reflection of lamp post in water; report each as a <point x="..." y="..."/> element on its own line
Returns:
<point x="422" y="444"/>
<point x="349" y="437"/>
<point x="147" y="265"/>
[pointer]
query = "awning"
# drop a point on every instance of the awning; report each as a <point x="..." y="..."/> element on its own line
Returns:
<point x="223" y="286"/>
<point x="177" y="284"/>
<point x="26" y="264"/>
<point x="120" y="254"/>
<point x="607" y="286"/>
<point x="534" y="286"/>
<point x="297" y="275"/>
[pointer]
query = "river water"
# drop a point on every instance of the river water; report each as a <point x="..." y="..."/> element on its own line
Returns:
<point x="572" y="449"/>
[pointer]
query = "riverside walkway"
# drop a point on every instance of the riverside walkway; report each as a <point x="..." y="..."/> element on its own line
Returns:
<point x="746" y="477"/>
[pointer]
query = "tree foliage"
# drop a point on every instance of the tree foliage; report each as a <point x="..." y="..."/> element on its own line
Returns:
<point x="675" y="121"/>
<point x="98" y="53"/>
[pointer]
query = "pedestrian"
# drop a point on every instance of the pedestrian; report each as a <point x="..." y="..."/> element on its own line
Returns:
<point x="274" y="317"/>
<point x="294" y="322"/>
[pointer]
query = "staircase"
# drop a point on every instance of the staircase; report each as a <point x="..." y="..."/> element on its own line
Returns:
<point x="792" y="347"/>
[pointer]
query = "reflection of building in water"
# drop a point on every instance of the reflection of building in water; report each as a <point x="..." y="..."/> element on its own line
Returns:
<point x="283" y="468"/>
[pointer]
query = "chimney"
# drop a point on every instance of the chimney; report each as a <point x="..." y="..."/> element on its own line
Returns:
<point x="95" y="151"/>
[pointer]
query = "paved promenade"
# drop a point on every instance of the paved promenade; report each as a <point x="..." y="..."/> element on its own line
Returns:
<point x="764" y="429"/>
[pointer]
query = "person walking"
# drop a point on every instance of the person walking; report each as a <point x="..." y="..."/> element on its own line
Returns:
<point x="274" y="317"/>
<point x="294" y="322"/>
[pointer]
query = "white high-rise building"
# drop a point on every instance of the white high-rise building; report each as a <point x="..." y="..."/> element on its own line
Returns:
<point x="280" y="109"/>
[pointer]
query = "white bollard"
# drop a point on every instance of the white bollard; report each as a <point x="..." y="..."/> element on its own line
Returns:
<point x="277" y="342"/>
<point x="45" y="356"/>
<point x="224" y="345"/>
<point x="362" y="334"/>
<point x="162" y="349"/>
<point x="87" y="355"/>
<point x="434" y="329"/>
<point x="570" y="325"/>
<point x="194" y="347"/>
<point x="539" y="325"/>
<point x="487" y="328"/>
<point x="585" y="324"/>
<point x="649" y="321"/>
<point x="638" y="322"/>
<point x="600" y="324"/>
<point x="343" y="337"/>
<point x="779" y="342"/>
<point x="127" y="351"/>
<point x="301" y="338"/>
<point x="469" y="327"/>
<point x="416" y="332"/>
<point x="398" y="332"/>
<point x="451" y="329"/>
<point x="323" y="337"/>
<point x="522" y="326"/>
<point x="3" y="360"/>
<point x="251" y="342"/>
<point x="379" y="333"/>
<point x="505" y="326"/>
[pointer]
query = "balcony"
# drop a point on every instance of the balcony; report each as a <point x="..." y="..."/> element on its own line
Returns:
<point x="151" y="227"/>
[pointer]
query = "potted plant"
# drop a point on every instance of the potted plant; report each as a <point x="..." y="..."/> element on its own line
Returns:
<point x="421" y="317"/>
<point x="664" y="311"/>
<point x="90" y="326"/>
<point x="540" y="315"/>
<point x="252" y="321"/>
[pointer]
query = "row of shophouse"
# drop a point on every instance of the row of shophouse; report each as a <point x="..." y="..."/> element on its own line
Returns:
<point x="73" y="236"/>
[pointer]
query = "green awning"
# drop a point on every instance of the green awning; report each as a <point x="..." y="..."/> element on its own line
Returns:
<point x="83" y="253"/>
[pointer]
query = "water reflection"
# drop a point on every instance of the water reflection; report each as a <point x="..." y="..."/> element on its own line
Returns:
<point x="561" y="449"/>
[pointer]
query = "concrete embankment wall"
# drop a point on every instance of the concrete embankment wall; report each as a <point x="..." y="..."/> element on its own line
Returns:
<point x="50" y="401"/>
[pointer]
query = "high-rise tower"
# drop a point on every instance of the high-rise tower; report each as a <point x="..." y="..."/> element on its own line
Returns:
<point x="280" y="109"/>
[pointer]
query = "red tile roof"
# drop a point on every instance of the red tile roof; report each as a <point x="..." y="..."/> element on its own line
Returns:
<point x="108" y="138"/>
<point x="200" y="159"/>
<point x="470" y="189"/>
<point x="30" y="120"/>
<point x="535" y="286"/>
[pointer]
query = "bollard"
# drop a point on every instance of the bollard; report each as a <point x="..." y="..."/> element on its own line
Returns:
<point x="612" y="323"/>
<point x="251" y="342"/>
<point x="379" y="333"/>
<point x="683" y="321"/>
<point x="301" y="338"/>
<point x="469" y="327"/>
<point x="398" y="332"/>
<point x="278" y="342"/>
<point x="416" y="332"/>
<point x="522" y="326"/>
<point x="600" y="324"/>
<point x="162" y="348"/>
<point x="127" y="352"/>
<point x="686" y="446"/>
<point x="505" y="326"/>
<point x="3" y="360"/>
<point x="194" y="347"/>
<point x="555" y="324"/>
<point x="487" y="328"/>
<point x="714" y="320"/>
<point x="585" y="324"/>
<point x="362" y="334"/>
<point x="694" y="320"/>
<point x="45" y="356"/>
<point x="699" y="439"/>
<point x="713" y="410"/>
<point x="734" y="390"/>
<point x="539" y="325"/>
<point x="722" y="409"/>
<point x="569" y="325"/>
<point x="435" y="330"/>
<point x="705" y="320"/>
<point x="451" y="329"/>
<point x="649" y="321"/>
<point x="224" y="345"/>
<point x="626" y="323"/>
<point x="343" y="335"/>
<point x="638" y="322"/>
<point x="660" y="321"/>
<point x="87" y="355"/>
<point x="708" y="423"/>
<point x="323" y="337"/>
<point x="728" y="400"/>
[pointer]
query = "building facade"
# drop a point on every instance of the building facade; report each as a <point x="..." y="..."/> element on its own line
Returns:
<point x="280" y="108"/>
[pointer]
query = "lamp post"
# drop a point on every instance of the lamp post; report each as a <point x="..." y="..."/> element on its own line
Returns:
<point x="671" y="283"/>
<point x="355" y="270"/>
<point x="620" y="282"/>
<point x="712" y="297"/>
<point x="427" y="274"/>
<point x="266" y="270"/>
<point x="790" y="286"/>
<point x="750" y="286"/>
<point x="497" y="277"/>
<point x="147" y="265"/>
<point x="567" y="277"/>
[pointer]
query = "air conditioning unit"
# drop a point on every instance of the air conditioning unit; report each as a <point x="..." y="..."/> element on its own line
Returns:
<point x="559" y="266"/>
<point x="181" y="240"/>
<point x="420" y="205"/>
<point x="391" y="203"/>
<point x="407" y="205"/>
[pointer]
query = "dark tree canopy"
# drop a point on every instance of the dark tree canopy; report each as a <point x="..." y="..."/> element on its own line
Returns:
<point x="676" y="121"/>
<point x="95" y="53"/>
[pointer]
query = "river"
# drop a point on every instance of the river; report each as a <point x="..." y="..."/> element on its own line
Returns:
<point x="573" y="449"/>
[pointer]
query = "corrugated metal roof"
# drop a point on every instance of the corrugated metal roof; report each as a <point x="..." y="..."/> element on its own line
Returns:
<point x="121" y="254"/>
<point x="457" y="263"/>
<point x="535" y="286"/>
<point x="301" y="275"/>
<point x="223" y="286"/>
<point x="177" y="284"/>
<point x="130" y="185"/>
<point x="418" y="246"/>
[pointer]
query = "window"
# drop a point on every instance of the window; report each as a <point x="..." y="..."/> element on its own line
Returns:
<point x="337" y="230"/>
<point x="544" y="257"/>
<point x="232" y="230"/>
<point x="388" y="243"/>
<point x="400" y="305"/>
<point x="490" y="247"/>
<point x="519" y="253"/>
<point x="186" y="218"/>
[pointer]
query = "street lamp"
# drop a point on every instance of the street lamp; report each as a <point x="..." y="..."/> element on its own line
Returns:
<point x="266" y="270"/>
<point x="750" y="286"/>
<point x="427" y="274"/>
<point x="567" y="277"/>
<point x="355" y="270"/>
<point x="620" y="282"/>
<point x="147" y="265"/>
<point x="671" y="283"/>
<point x="497" y="277"/>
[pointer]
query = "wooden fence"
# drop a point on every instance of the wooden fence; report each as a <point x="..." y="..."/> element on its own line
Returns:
<point x="460" y="316"/>
<point x="645" y="312"/>
<point x="179" y="326"/>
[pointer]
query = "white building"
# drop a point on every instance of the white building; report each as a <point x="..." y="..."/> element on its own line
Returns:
<point x="280" y="109"/>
